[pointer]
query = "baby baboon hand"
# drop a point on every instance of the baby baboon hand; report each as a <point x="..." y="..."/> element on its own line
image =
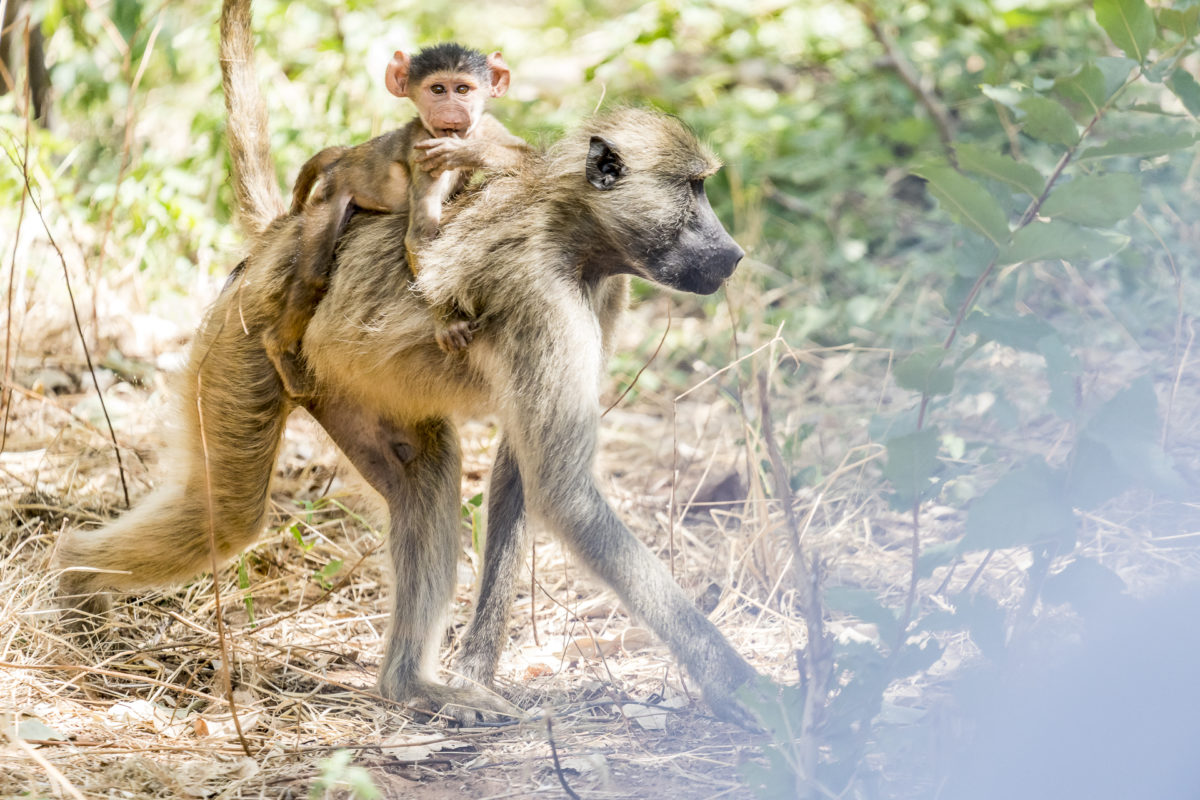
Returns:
<point x="454" y="337"/>
<point x="439" y="155"/>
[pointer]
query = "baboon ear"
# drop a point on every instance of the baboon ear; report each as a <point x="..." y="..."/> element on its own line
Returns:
<point x="396" y="77"/>
<point x="604" y="164"/>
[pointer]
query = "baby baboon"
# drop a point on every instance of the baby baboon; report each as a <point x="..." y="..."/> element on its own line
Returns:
<point x="411" y="170"/>
<point x="543" y="256"/>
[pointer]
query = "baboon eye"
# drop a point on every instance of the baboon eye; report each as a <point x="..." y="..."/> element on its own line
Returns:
<point x="697" y="185"/>
<point x="437" y="88"/>
<point x="462" y="88"/>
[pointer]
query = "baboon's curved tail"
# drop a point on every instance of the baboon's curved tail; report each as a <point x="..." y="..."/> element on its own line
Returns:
<point x="221" y="472"/>
<point x="258" y="197"/>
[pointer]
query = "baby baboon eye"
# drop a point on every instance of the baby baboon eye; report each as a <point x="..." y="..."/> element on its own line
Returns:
<point x="462" y="88"/>
<point x="437" y="88"/>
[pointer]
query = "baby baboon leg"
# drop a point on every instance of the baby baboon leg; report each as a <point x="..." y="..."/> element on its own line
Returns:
<point x="417" y="469"/>
<point x="319" y="231"/>
<point x="506" y="541"/>
<point x="292" y="372"/>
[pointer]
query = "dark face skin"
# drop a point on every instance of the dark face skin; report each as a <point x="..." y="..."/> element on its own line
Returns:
<point x="703" y="255"/>
<point x="697" y="256"/>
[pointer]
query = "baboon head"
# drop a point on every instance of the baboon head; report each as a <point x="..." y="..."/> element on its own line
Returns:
<point x="646" y="197"/>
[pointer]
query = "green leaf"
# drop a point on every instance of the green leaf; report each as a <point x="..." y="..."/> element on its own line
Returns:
<point x="1116" y="71"/>
<point x="1019" y="333"/>
<point x="1025" y="507"/>
<point x="1086" y="87"/>
<point x="967" y="202"/>
<point x="923" y="372"/>
<point x="1130" y="24"/>
<point x="1144" y="145"/>
<point x="1040" y="241"/>
<point x="864" y="605"/>
<point x="1185" y="87"/>
<point x="1185" y="22"/>
<point x="1002" y="168"/>
<point x="323" y="575"/>
<point x="911" y="464"/>
<point x="1100" y="200"/>
<point x="1048" y="121"/>
<point x="1087" y="585"/>
<point x="35" y="730"/>
<point x="1095" y="477"/>
<point x="1128" y="426"/>
<point x="1062" y="373"/>
<point x="916" y="659"/>
<point x="1004" y="95"/>
<point x="934" y="556"/>
<point x="985" y="620"/>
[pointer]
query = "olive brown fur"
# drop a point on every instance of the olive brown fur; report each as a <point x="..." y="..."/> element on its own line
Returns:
<point x="543" y="255"/>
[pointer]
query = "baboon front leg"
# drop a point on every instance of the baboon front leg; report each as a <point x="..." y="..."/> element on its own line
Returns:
<point x="506" y="539"/>
<point x="417" y="469"/>
<point x="556" y="462"/>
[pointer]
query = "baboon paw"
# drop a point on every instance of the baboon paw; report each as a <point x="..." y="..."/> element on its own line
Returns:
<point x="460" y="705"/>
<point x="483" y="704"/>
<point x="454" y="337"/>
<point x="732" y="697"/>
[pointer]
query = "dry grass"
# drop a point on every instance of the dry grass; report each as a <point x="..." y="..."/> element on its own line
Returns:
<point x="142" y="709"/>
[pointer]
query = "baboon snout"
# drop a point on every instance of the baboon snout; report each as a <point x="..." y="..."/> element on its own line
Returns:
<point x="451" y="122"/>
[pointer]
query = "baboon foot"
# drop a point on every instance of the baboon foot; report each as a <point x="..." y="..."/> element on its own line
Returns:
<point x="460" y="705"/>
<point x="455" y="336"/>
<point x="727" y="687"/>
<point x="486" y="705"/>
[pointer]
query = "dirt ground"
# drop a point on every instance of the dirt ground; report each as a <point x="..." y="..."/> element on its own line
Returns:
<point x="143" y="712"/>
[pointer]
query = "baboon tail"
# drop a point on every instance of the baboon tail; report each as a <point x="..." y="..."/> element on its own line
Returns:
<point x="258" y="197"/>
<point x="310" y="172"/>
<point x="221" y="465"/>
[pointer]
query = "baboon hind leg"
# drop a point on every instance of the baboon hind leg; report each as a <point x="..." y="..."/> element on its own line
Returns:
<point x="484" y="640"/>
<point x="417" y="469"/>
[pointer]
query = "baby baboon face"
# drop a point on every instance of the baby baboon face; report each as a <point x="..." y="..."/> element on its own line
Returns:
<point x="649" y="173"/>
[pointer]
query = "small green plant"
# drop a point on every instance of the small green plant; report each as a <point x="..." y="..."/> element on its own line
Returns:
<point x="472" y="514"/>
<point x="243" y="579"/>
<point x="338" y="773"/>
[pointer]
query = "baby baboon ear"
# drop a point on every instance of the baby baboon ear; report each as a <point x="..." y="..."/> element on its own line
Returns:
<point x="604" y="164"/>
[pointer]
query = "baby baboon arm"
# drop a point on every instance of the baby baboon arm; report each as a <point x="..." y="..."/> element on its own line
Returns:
<point x="491" y="147"/>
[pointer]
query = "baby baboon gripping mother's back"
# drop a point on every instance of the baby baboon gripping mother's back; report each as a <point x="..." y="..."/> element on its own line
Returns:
<point x="543" y="255"/>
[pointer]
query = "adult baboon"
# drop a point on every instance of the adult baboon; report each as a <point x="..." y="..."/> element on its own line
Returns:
<point x="542" y="256"/>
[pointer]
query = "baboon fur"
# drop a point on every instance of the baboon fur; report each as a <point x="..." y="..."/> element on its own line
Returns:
<point x="543" y="256"/>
